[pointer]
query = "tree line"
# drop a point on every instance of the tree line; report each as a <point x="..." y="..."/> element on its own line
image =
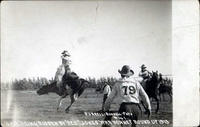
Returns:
<point x="36" y="83"/>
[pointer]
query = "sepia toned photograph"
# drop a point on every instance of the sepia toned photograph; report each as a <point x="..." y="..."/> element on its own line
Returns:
<point x="86" y="63"/>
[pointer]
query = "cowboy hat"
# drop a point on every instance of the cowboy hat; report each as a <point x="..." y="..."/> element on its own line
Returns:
<point x="143" y="66"/>
<point x="126" y="71"/>
<point x="65" y="53"/>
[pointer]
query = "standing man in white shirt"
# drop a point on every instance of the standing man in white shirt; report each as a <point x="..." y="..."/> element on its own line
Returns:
<point x="129" y="91"/>
<point x="106" y="93"/>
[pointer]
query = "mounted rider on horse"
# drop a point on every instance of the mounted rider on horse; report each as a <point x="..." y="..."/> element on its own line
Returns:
<point x="64" y="72"/>
<point x="150" y="83"/>
<point x="145" y="75"/>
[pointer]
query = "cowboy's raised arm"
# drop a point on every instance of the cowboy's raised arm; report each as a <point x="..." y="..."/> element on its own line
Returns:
<point x="110" y="97"/>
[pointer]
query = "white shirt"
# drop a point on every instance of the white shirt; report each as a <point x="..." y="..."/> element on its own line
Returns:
<point x="127" y="90"/>
<point x="59" y="73"/>
<point x="107" y="90"/>
<point x="66" y="59"/>
<point x="61" y="69"/>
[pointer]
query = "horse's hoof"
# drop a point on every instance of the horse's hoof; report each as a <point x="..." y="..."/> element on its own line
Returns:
<point x="66" y="110"/>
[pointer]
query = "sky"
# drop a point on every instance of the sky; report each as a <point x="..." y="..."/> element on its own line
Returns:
<point x="101" y="37"/>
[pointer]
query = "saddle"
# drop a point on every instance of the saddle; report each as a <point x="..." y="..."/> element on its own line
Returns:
<point x="69" y="79"/>
<point x="70" y="76"/>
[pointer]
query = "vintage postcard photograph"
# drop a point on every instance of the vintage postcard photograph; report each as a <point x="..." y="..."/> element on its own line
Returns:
<point x="86" y="63"/>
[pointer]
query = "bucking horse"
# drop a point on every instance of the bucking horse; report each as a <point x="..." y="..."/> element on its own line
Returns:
<point x="77" y="87"/>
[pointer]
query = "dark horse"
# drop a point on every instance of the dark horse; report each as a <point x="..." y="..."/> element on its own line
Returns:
<point x="151" y="88"/>
<point x="77" y="88"/>
<point x="165" y="88"/>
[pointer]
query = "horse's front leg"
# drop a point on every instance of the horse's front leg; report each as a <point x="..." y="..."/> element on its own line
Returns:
<point x="60" y="100"/>
<point x="73" y="99"/>
<point x="59" y="103"/>
<point x="170" y="96"/>
<point x="157" y="101"/>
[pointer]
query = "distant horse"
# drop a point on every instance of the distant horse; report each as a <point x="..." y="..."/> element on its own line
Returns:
<point x="151" y="88"/>
<point x="165" y="89"/>
<point x="77" y="86"/>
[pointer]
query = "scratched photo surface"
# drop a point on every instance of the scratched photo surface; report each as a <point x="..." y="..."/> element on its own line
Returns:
<point x="101" y="37"/>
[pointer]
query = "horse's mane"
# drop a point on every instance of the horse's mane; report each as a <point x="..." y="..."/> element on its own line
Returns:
<point x="83" y="80"/>
<point x="152" y="83"/>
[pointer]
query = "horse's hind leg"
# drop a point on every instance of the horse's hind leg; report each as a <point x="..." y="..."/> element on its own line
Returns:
<point x="163" y="96"/>
<point x="170" y="96"/>
<point x="160" y="97"/>
<point x="157" y="101"/>
<point x="73" y="99"/>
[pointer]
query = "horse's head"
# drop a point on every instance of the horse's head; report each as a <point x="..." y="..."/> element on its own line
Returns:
<point x="155" y="75"/>
<point x="46" y="89"/>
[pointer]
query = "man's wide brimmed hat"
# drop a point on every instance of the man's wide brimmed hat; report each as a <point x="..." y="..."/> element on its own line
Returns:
<point x="65" y="53"/>
<point x="143" y="66"/>
<point x="126" y="71"/>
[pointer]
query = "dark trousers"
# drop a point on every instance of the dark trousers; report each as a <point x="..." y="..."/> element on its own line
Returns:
<point x="130" y="111"/>
<point x="105" y="96"/>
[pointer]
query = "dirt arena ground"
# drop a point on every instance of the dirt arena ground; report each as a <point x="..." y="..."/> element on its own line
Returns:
<point x="26" y="108"/>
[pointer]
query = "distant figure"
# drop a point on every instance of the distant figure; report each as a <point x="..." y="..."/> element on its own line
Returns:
<point x="145" y="74"/>
<point x="160" y="77"/>
<point x="129" y="91"/>
<point x="106" y="93"/>
<point x="62" y="70"/>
